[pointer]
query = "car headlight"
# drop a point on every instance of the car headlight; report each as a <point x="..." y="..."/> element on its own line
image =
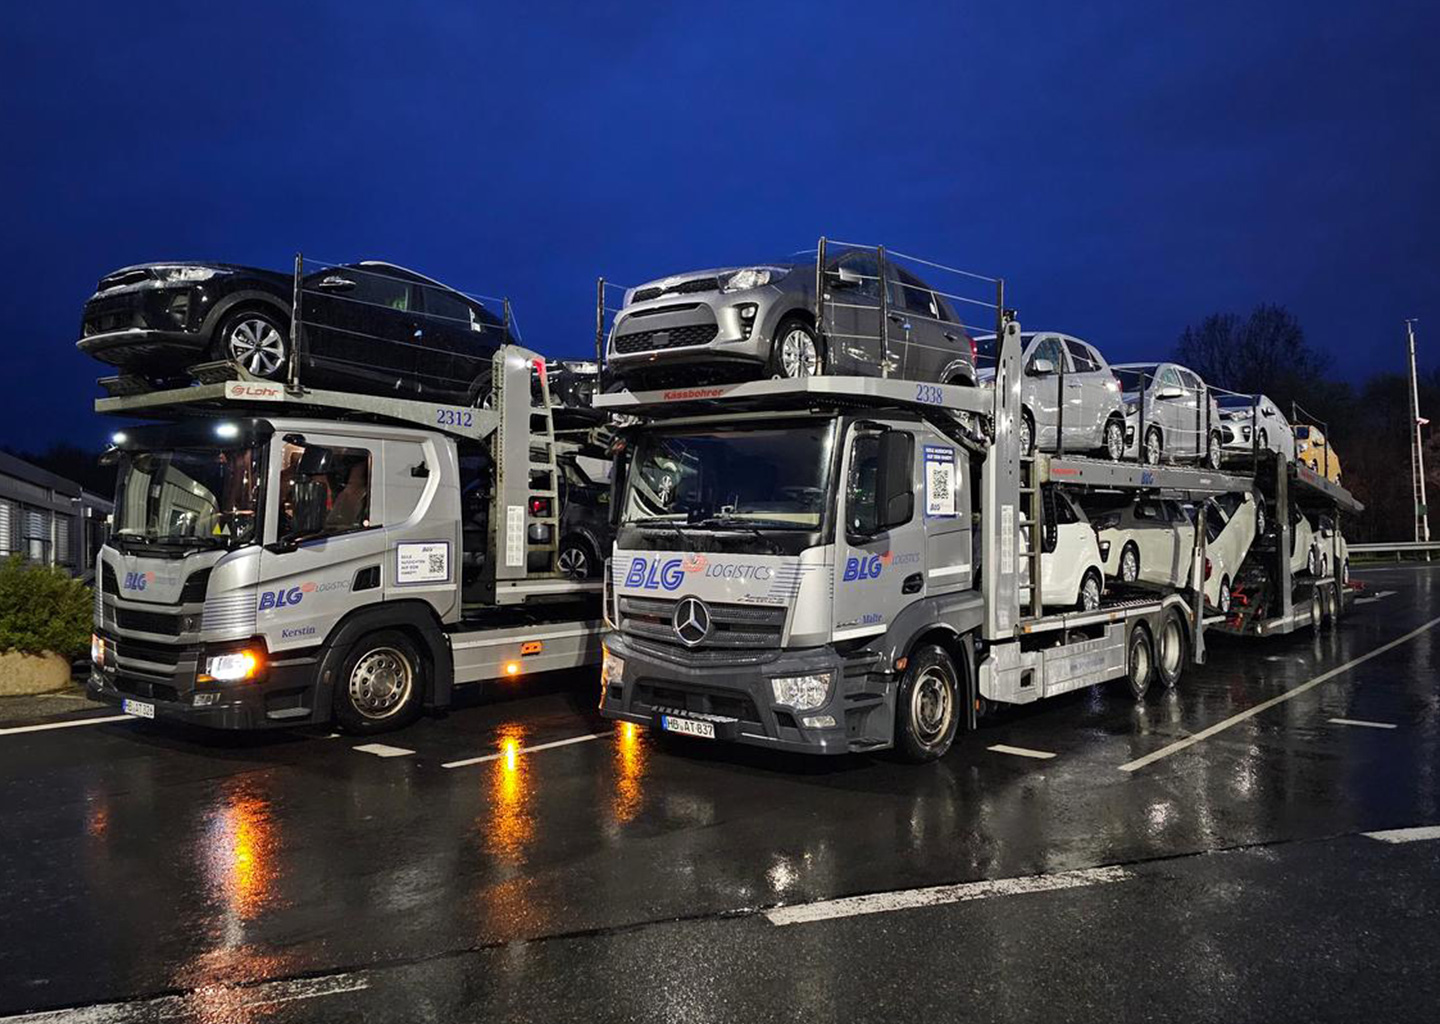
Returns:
<point x="182" y="274"/>
<point x="751" y="277"/>
<point x="231" y="667"/>
<point x="803" y="693"/>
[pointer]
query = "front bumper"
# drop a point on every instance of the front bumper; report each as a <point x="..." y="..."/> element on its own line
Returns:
<point x="143" y="348"/>
<point x="285" y="696"/>
<point x="735" y="696"/>
<point x="690" y="329"/>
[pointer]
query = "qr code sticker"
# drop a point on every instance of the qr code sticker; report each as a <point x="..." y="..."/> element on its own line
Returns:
<point x="437" y="562"/>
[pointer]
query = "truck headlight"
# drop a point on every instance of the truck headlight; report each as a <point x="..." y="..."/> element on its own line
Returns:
<point x="231" y="667"/>
<point x="97" y="650"/>
<point x="751" y="277"/>
<point x="803" y="693"/>
<point x="612" y="668"/>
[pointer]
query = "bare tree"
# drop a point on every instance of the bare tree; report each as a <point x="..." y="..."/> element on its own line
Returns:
<point x="1263" y="353"/>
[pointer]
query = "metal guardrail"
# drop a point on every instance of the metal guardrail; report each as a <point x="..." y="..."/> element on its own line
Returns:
<point x="1398" y="548"/>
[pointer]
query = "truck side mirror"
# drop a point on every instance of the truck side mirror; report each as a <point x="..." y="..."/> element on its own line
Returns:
<point x="311" y="496"/>
<point x="315" y="460"/>
<point x="619" y="470"/>
<point x="894" y="484"/>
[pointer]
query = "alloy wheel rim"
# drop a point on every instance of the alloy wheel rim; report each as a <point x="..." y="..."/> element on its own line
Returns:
<point x="257" y="346"/>
<point x="1090" y="594"/>
<point x="1225" y="598"/>
<point x="573" y="563"/>
<point x="1170" y="649"/>
<point x="1024" y="435"/>
<point x="1152" y="448"/>
<point x="1115" y="441"/>
<point x="380" y="683"/>
<point x="798" y="355"/>
<point x="1129" y="566"/>
<point x="1139" y="663"/>
<point x="931" y="706"/>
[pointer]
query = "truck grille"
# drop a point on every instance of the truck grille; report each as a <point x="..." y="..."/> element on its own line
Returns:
<point x="164" y="623"/>
<point x="677" y="337"/>
<point x="731" y="625"/>
<point x="701" y="700"/>
<point x="158" y="654"/>
<point x="690" y="287"/>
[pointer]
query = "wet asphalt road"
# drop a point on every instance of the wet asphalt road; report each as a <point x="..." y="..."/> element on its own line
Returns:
<point x="151" y="874"/>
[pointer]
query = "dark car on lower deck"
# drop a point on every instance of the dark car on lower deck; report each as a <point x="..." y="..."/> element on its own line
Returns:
<point x="367" y="326"/>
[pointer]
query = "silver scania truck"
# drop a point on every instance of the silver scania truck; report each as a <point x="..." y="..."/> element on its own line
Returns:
<point x="837" y="564"/>
<point x="281" y="554"/>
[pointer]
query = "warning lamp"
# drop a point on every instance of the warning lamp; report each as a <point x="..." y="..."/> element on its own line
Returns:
<point x="540" y="507"/>
<point x="512" y="668"/>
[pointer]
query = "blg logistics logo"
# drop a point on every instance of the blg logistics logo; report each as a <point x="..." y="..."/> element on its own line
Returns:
<point x="667" y="574"/>
<point x="137" y="580"/>
<point x="286" y="597"/>
<point x="870" y="567"/>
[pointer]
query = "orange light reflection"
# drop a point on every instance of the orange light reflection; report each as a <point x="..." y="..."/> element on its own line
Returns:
<point x="511" y="825"/>
<point x="630" y="757"/>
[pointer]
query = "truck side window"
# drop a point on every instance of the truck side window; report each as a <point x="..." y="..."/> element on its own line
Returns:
<point x="344" y="487"/>
<point x="861" y="510"/>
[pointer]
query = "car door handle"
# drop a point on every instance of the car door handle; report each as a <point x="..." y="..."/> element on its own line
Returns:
<point x="896" y="318"/>
<point x="951" y="337"/>
<point x="912" y="583"/>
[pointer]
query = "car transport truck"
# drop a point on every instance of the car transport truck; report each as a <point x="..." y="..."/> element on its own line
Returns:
<point x="282" y="554"/>
<point x="842" y="564"/>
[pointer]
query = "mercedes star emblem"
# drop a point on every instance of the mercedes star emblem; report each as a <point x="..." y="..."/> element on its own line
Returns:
<point x="691" y="621"/>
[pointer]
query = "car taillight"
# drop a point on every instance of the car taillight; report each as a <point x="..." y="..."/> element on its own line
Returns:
<point x="540" y="506"/>
<point x="974" y="351"/>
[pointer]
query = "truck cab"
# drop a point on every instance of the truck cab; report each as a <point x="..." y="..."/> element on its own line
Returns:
<point x="769" y="569"/>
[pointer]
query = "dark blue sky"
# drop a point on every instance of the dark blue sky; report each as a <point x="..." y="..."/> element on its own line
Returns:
<point x="1128" y="167"/>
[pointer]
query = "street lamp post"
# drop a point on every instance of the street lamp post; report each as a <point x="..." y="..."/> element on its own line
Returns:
<point x="1417" y="450"/>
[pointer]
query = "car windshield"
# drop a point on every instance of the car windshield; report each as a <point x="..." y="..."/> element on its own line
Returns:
<point x="714" y="479"/>
<point x="189" y="497"/>
<point x="1133" y="377"/>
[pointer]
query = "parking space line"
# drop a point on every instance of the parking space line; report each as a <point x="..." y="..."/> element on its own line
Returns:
<point x="1002" y="748"/>
<point x="1219" y="727"/>
<point x="525" y="750"/>
<point x="1405" y="835"/>
<point x="885" y="902"/>
<point x="382" y="750"/>
<point x="268" y="993"/>
<point x="1361" y="722"/>
<point x="71" y="724"/>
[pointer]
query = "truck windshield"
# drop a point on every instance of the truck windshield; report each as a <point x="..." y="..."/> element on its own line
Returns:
<point x="713" y="479"/>
<point x="188" y="497"/>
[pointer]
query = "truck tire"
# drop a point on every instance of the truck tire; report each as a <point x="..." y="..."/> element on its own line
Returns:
<point x="1139" y="660"/>
<point x="1316" y="611"/>
<point x="927" y="708"/>
<point x="1171" y="650"/>
<point x="381" y="684"/>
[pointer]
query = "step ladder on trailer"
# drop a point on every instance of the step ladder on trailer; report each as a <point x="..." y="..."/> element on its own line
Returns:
<point x="519" y="427"/>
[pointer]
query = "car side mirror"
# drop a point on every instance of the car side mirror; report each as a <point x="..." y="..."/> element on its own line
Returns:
<point x="1041" y="367"/>
<point x="894" y="483"/>
<point x="335" y="283"/>
<point x="845" y="277"/>
<point x="1171" y="392"/>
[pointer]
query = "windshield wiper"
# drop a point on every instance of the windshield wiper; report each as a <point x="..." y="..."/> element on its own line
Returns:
<point x="740" y="526"/>
<point x="652" y="522"/>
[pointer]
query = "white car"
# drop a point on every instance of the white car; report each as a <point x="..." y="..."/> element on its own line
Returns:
<point x="1304" y="552"/>
<point x="1150" y="541"/>
<point x="1243" y="417"/>
<point x="1071" y="572"/>
<point x="1326" y="556"/>
<point x="1230" y="529"/>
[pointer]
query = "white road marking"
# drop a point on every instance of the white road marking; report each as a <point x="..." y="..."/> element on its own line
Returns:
<point x="1001" y="748"/>
<point x="1385" y="593"/>
<point x="1405" y="835"/>
<point x="1361" y="722"/>
<point x="71" y="724"/>
<point x="1218" y="727"/>
<point x="383" y="750"/>
<point x="201" y="1003"/>
<point x="527" y="750"/>
<point x="884" y="902"/>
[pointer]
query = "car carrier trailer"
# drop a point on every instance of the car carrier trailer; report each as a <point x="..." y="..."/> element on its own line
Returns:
<point x="282" y="554"/>
<point x="876" y="592"/>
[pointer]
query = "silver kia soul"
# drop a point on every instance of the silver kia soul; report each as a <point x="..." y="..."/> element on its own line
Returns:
<point x="740" y="323"/>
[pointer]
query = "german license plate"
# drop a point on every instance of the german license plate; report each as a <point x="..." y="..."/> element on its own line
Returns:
<point x="138" y="708"/>
<point x="687" y="727"/>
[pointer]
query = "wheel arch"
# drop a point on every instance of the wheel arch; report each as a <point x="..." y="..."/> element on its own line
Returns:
<point x="240" y="301"/>
<point x="950" y="622"/>
<point x="415" y="619"/>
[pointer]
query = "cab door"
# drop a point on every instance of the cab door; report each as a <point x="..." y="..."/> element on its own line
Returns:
<point x="880" y="550"/>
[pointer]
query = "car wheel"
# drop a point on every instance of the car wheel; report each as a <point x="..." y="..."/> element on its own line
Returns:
<point x="1129" y="564"/>
<point x="1264" y="441"/>
<point x="1152" y="449"/>
<point x="381" y="684"/>
<point x="1170" y="650"/>
<point x="575" y="561"/>
<point x="1215" y="453"/>
<point x="1223" y="602"/>
<point x="1027" y="433"/>
<point x="1312" y="563"/>
<point x="1114" y="440"/>
<point x="256" y="341"/>
<point x="1139" y="660"/>
<point x="1089" y="592"/>
<point x="1259" y="518"/>
<point x="796" y="351"/>
<point x="928" y="711"/>
<point x="1345" y="573"/>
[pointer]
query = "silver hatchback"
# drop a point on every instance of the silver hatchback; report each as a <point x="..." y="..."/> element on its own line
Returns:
<point x="1068" y="394"/>
<point x="740" y="323"/>
<point x="1179" y="418"/>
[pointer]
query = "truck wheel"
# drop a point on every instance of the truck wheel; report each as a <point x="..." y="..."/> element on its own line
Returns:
<point x="927" y="710"/>
<point x="796" y="351"/>
<point x="1129" y="564"/>
<point x="1337" y="602"/>
<point x="1170" y="651"/>
<point x="381" y="684"/>
<point x="1139" y="660"/>
<point x="1316" y="611"/>
<point x="1327" y="608"/>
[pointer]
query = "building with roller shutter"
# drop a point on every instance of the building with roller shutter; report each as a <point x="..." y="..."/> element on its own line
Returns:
<point x="47" y="518"/>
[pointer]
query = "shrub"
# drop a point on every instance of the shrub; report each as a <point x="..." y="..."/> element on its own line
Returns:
<point x="43" y="609"/>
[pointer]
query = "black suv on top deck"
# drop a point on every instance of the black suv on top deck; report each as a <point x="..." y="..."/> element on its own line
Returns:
<point x="367" y="326"/>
